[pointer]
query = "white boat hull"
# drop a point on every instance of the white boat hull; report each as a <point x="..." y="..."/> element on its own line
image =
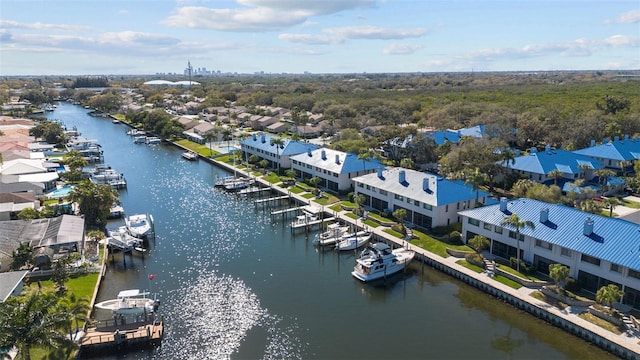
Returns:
<point x="369" y="269"/>
<point x="354" y="241"/>
<point x="139" y="225"/>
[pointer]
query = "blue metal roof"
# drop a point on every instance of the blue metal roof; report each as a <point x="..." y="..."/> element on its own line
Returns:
<point x="542" y="162"/>
<point x="613" y="240"/>
<point x="336" y="161"/>
<point x="411" y="184"/>
<point x="621" y="150"/>
<point x="289" y="147"/>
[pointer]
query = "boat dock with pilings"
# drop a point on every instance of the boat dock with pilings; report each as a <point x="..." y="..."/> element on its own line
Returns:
<point x="121" y="337"/>
<point x="524" y="302"/>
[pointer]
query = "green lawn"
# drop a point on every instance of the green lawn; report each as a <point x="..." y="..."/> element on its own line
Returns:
<point x="83" y="287"/>
<point x="434" y="245"/>
<point x="199" y="148"/>
<point x="631" y="204"/>
<point x="515" y="272"/>
<point x="601" y="322"/>
<point x="504" y="280"/>
<point x="470" y="266"/>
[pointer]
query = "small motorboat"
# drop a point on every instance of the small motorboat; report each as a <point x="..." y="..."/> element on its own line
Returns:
<point x="352" y="241"/>
<point x="332" y="235"/>
<point x="139" y="225"/>
<point x="132" y="301"/>
<point x="190" y="155"/>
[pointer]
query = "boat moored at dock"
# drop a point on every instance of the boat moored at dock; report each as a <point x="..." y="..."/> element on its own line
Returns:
<point x="352" y="241"/>
<point x="378" y="260"/>
<point x="139" y="225"/>
<point x="190" y="155"/>
<point x="129" y="302"/>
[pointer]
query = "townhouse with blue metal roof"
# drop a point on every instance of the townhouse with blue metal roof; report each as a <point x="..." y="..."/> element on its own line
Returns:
<point x="538" y="164"/>
<point x="598" y="250"/>
<point x="261" y="145"/>
<point x="618" y="154"/>
<point x="430" y="200"/>
<point x="334" y="168"/>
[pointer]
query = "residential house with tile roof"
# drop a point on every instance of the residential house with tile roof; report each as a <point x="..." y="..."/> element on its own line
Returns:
<point x="598" y="250"/>
<point x="429" y="199"/>
<point x="336" y="169"/>
<point x="261" y="145"/>
<point x="618" y="154"/>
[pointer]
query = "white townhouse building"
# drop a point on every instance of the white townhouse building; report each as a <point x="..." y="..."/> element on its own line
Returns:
<point x="335" y="168"/>
<point x="598" y="250"/>
<point x="261" y="145"/>
<point x="429" y="199"/>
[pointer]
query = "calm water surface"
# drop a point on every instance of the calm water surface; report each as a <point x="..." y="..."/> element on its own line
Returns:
<point x="236" y="285"/>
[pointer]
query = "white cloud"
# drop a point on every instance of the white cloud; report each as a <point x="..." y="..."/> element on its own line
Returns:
<point x="8" y="24"/>
<point x="400" y="49"/>
<point x="629" y="17"/>
<point x="259" y="15"/>
<point x="309" y="39"/>
<point x="374" y="32"/>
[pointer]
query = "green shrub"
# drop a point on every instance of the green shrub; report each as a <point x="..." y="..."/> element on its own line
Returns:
<point x="455" y="237"/>
<point x="475" y="258"/>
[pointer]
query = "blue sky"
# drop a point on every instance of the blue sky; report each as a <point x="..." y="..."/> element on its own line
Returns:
<point x="81" y="37"/>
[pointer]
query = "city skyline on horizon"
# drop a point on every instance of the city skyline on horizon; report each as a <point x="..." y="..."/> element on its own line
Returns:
<point x="328" y="37"/>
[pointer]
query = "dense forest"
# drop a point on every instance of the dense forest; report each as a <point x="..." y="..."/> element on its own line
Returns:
<point x="562" y="109"/>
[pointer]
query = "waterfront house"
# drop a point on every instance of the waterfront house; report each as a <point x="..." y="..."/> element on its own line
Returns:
<point x="59" y="235"/>
<point x="336" y="169"/>
<point x="429" y="199"/>
<point x="261" y="145"/>
<point x="598" y="250"/>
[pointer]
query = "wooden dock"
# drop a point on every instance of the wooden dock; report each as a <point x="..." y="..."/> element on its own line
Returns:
<point x="135" y="335"/>
<point x="311" y="223"/>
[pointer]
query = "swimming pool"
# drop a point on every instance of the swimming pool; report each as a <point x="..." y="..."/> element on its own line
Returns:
<point x="59" y="192"/>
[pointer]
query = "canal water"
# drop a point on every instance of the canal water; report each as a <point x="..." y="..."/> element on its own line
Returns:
<point x="234" y="284"/>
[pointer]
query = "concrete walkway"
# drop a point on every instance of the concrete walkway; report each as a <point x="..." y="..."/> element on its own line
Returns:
<point x="629" y="339"/>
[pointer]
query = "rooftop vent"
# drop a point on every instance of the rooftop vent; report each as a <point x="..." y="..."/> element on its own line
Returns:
<point x="544" y="215"/>
<point x="534" y="150"/>
<point x="380" y="173"/>
<point x="425" y="184"/>
<point x="588" y="227"/>
<point x="503" y="204"/>
<point x="323" y="154"/>
<point x="337" y="159"/>
<point x="264" y="138"/>
<point x="402" y="176"/>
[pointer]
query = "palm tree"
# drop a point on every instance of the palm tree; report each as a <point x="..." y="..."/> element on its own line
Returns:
<point x="584" y="168"/>
<point x="32" y="321"/>
<point x="77" y="309"/>
<point x="365" y="155"/>
<point x="559" y="273"/>
<point x="209" y="136"/>
<point x="514" y="221"/>
<point x="555" y="174"/>
<point x="612" y="202"/>
<point x="479" y="243"/>
<point x="278" y="142"/>
<point x="476" y="179"/>
<point x="604" y="175"/>
<point x="399" y="214"/>
<point x="314" y="181"/>
<point x="609" y="294"/>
